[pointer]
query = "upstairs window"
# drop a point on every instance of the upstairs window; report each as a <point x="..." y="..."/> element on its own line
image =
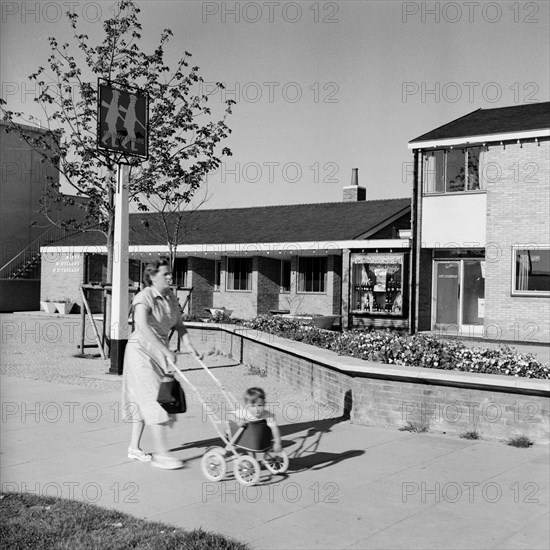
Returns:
<point x="453" y="170"/>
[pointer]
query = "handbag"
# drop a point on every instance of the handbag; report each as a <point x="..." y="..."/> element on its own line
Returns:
<point x="171" y="396"/>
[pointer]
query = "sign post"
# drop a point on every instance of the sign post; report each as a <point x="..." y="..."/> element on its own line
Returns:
<point x="119" y="296"/>
<point x="122" y="121"/>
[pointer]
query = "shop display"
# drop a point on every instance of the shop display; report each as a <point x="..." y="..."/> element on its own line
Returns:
<point x="377" y="283"/>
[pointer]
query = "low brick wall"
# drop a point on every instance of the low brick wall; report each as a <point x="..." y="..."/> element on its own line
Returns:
<point x="497" y="407"/>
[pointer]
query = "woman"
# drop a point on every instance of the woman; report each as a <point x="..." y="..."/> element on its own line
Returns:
<point x="147" y="359"/>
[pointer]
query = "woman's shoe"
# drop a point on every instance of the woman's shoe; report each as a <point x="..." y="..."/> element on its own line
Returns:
<point x="166" y="462"/>
<point x="138" y="454"/>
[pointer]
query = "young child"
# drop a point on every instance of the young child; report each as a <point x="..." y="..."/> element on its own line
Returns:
<point x="255" y="411"/>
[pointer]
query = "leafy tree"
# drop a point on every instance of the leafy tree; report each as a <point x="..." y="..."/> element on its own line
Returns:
<point x="184" y="141"/>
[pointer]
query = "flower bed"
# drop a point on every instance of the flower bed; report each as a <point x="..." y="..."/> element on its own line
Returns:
<point x="413" y="351"/>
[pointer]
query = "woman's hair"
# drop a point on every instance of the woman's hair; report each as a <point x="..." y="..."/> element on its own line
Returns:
<point x="254" y="394"/>
<point x="151" y="270"/>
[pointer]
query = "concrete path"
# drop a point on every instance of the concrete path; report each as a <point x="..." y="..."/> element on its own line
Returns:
<point x="348" y="486"/>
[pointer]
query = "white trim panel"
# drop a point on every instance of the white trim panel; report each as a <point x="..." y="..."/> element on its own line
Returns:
<point x="308" y="247"/>
<point x="470" y="140"/>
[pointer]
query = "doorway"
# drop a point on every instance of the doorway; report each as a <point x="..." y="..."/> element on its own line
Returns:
<point x="458" y="293"/>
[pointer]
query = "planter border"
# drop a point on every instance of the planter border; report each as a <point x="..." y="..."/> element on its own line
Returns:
<point x="358" y="368"/>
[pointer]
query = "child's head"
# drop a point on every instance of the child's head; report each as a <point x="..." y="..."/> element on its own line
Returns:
<point x="254" y="399"/>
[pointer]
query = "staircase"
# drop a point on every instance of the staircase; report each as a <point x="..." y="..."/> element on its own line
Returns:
<point x="27" y="263"/>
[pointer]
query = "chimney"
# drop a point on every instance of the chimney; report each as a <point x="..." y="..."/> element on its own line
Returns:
<point x="353" y="192"/>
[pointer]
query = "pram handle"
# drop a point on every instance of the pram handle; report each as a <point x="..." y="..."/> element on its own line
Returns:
<point x="228" y="396"/>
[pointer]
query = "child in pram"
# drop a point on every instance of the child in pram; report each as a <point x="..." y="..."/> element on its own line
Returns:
<point x="255" y="412"/>
<point x="255" y="431"/>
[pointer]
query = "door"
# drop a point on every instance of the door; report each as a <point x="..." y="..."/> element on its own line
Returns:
<point x="459" y="293"/>
<point x="473" y="299"/>
<point x="447" y="292"/>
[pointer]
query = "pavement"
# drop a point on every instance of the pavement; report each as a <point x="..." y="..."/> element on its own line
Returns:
<point x="348" y="486"/>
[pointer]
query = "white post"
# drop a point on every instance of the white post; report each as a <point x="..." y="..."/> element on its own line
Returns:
<point x="119" y="301"/>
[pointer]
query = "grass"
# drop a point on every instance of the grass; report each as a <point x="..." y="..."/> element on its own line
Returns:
<point x="38" y="522"/>
<point x="470" y="435"/>
<point x="520" y="441"/>
<point x="414" y="427"/>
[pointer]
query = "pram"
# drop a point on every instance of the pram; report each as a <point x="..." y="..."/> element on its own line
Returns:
<point x="248" y="439"/>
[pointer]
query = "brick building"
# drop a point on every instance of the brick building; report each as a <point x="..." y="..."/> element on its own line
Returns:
<point x="481" y="225"/>
<point x="24" y="225"/>
<point x="346" y="259"/>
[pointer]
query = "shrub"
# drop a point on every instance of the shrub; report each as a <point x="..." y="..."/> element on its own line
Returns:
<point x="520" y="441"/>
<point x="411" y="351"/>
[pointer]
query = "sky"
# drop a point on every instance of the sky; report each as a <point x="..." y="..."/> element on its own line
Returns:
<point x="321" y="87"/>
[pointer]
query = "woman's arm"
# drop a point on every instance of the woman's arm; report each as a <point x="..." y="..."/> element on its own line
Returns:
<point x="185" y="340"/>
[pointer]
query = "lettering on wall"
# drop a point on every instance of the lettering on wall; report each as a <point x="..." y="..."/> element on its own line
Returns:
<point x="69" y="263"/>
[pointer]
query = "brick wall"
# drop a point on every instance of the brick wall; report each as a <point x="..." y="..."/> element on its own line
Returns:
<point x="518" y="198"/>
<point x="325" y="303"/>
<point x="392" y="396"/>
<point x="265" y="294"/>
<point x="201" y="278"/>
<point x="242" y="302"/>
<point x="62" y="274"/>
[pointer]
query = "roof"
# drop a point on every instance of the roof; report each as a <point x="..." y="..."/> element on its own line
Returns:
<point x="519" y="118"/>
<point x="265" y="224"/>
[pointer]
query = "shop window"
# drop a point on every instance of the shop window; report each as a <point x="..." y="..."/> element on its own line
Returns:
<point x="239" y="274"/>
<point x="453" y="170"/>
<point x="377" y="284"/>
<point x="179" y="274"/>
<point x="217" y="275"/>
<point x="312" y="274"/>
<point x="285" y="276"/>
<point x="531" y="271"/>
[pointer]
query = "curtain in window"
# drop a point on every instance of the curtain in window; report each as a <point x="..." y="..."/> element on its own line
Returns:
<point x="429" y="173"/>
<point x="482" y="161"/>
<point x="434" y="172"/>
<point x="523" y="268"/>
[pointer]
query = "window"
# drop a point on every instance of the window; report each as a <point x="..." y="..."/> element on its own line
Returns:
<point x="217" y="275"/>
<point x="239" y="274"/>
<point x="179" y="275"/>
<point x="453" y="170"/>
<point x="377" y="283"/>
<point x="531" y="271"/>
<point x="312" y="274"/>
<point x="285" y="275"/>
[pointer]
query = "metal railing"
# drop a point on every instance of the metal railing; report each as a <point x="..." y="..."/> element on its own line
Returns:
<point x="31" y="254"/>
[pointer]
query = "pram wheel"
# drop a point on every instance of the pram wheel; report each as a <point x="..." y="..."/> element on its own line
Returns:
<point x="213" y="464"/>
<point x="247" y="470"/>
<point x="276" y="463"/>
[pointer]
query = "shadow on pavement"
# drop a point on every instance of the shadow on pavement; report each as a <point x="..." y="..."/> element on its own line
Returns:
<point x="304" y="453"/>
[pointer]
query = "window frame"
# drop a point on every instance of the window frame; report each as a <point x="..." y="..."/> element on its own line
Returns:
<point x="526" y="293"/>
<point x="446" y="151"/>
<point x="217" y="275"/>
<point x="325" y="274"/>
<point x="231" y="277"/>
<point x="185" y="272"/>
<point x="282" y="288"/>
